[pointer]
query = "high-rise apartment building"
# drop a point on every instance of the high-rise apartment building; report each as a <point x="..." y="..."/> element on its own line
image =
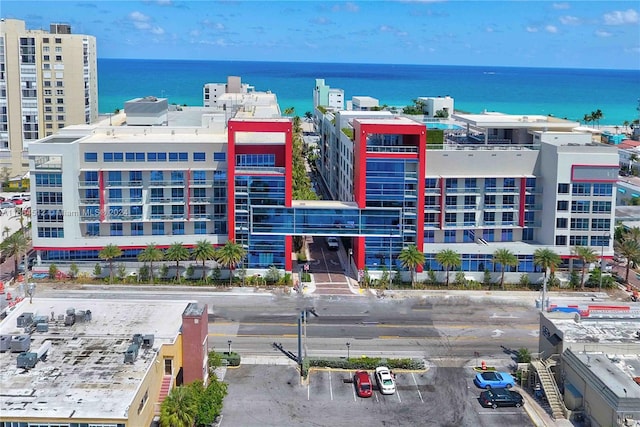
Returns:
<point x="48" y="80"/>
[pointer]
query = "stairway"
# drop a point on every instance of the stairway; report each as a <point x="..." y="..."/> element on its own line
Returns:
<point x="550" y="388"/>
<point x="165" y="388"/>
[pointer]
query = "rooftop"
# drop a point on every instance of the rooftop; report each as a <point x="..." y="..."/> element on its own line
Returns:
<point x="602" y="326"/>
<point x="501" y="120"/>
<point x="84" y="374"/>
<point x="616" y="371"/>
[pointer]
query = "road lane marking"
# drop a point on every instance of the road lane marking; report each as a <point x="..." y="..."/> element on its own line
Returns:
<point x="417" y="388"/>
<point x="398" y="394"/>
<point x="330" y="389"/>
<point x="353" y="389"/>
<point x="309" y="389"/>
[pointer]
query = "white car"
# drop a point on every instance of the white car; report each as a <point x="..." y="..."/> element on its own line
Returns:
<point x="333" y="244"/>
<point x="386" y="382"/>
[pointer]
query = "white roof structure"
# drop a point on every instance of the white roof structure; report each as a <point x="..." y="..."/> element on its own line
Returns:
<point x="84" y="374"/>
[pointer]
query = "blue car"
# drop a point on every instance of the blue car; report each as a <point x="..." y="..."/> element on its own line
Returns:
<point x="492" y="379"/>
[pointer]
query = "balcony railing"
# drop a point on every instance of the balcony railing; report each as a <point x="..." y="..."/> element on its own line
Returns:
<point x="199" y="200"/>
<point x="463" y="190"/>
<point x="124" y="183"/>
<point x="124" y="200"/>
<point x="200" y="183"/>
<point x="503" y="207"/>
<point x="501" y="190"/>
<point x="88" y="184"/>
<point x="89" y="200"/>
<point x="175" y="183"/>
<point x="391" y="149"/>
<point x="200" y="216"/>
<point x="167" y="216"/>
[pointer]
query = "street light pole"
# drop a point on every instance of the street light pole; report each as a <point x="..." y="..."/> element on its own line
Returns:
<point x="348" y="353"/>
<point x="229" y="344"/>
<point x="605" y="238"/>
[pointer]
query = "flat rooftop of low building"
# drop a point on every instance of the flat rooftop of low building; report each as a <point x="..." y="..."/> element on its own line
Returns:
<point x="501" y="120"/>
<point x="393" y="120"/>
<point x="616" y="371"/>
<point x="616" y="327"/>
<point x="84" y="374"/>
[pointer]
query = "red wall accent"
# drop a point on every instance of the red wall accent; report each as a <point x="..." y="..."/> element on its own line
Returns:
<point x="288" y="248"/>
<point x="188" y="189"/>
<point x="523" y="187"/>
<point x="442" y="198"/>
<point x="195" y="330"/>
<point x="101" y="189"/>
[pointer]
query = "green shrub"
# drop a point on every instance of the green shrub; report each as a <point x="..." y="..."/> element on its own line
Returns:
<point x="368" y="363"/>
<point x="232" y="359"/>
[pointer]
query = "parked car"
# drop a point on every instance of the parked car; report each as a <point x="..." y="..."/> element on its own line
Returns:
<point x="2" y="199"/>
<point x="501" y="397"/>
<point x="26" y="197"/>
<point x="7" y="204"/>
<point x="17" y="201"/>
<point x="386" y="383"/>
<point x="362" y="381"/>
<point x="333" y="244"/>
<point x="493" y="379"/>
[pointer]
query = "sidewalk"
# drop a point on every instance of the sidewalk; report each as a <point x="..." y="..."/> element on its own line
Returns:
<point x="538" y="415"/>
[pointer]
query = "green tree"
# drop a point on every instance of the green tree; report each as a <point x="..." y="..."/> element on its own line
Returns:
<point x="178" y="409"/>
<point x="630" y="249"/>
<point x="208" y="400"/>
<point x="15" y="246"/>
<point x="230" y="255"/>
<point x="289" y="111"/>
<point x="109" y="253"/>
<point x="308" y="115"/>
<point x="73" y="270"/>
<point x="53" y="270"/>
<point x="505" y="258"/>
<point x="586" y="255"/>
<point x="448" y="259"/>
<point x="546" y="259"/>
<point x="204" y="251"/>
<point x="151" y="254"/>
<point x="411" y="258"/>
<point x="176" y="252"/>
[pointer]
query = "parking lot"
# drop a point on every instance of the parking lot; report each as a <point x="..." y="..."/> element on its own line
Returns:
<point x="274" y="396"/>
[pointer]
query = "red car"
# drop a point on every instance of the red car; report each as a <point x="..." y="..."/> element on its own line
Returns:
<point x="363" y="384"/>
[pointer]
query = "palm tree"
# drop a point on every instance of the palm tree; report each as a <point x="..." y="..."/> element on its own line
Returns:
<point x="178" y="409"/>
<point x="411" y="258"/>
<point x="203" y="251"/>
<point x="449" y="259"/>
<point x="505" y="258"/>
<point x="230" y="255"/>
<point x="630" y="249"/>
<point x="308" y="115"/>
<point x="626" y="125"/>
<point x="633" y="158"/>
<point x="587" y="256"/>
<point x="176" y="252"/>
<point x="6" y="231"/>
<point x="587" y="118"/>
<point x="546" y="259"/>
<point x="289" y="111"/>
<point x="109" y="253"/>
<point x="151" y="254"/>
<point x="14" y="246"/>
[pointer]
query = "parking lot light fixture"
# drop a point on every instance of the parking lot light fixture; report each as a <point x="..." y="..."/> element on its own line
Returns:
<point x="348" y="347"/>
<point x="229" y="344"/>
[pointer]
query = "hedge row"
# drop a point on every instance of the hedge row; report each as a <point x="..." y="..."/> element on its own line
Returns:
<point x="367" y="363"/>
<point x="232" y="359"/>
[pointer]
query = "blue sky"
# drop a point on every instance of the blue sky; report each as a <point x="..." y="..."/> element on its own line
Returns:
<point x="566" y="34"/>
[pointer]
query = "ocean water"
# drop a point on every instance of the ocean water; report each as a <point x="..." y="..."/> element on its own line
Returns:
<point x="565" y="93"/>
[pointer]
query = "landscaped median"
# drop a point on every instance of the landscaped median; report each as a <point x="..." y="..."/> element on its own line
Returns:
<point x="361" y="363"/>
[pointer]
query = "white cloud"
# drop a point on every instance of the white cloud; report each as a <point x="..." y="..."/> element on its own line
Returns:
<point x="488" y="30"/>
<point x="139" y="17"/>
<point x="351" y="7"/>
<point x="551" y="29"/>
<point x="386" y="28"/>
<point x="569" y="20"/>
<point x="532" y="29"/>
<point x="618" y="17"/>
<point x="321" y="20"/>
<point x="603" y="33"/>
<point x="157" y="31"/>
<point x="561" y="6"/>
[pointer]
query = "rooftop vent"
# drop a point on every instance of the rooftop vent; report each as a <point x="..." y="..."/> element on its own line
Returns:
<point x="27" y="360"/>
<point x="131" y="354"/>
<point x="5" y="343"/>
<point x="20" y="343"/>
<point x="24" y="320"/>
<point x="147" y="341"/>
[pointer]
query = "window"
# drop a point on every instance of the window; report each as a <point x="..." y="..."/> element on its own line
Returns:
<point x="579" y="223"/>
<point x="469" y="202"/>
<point x="200" y="227"/>
<point x="140" y="157"/>
<point x="580" y="206"/>
<point x="469" y="218"/>
<point x="137" y="229"/>
<point x="489" y="218"/>
<point x="129" y="157"/>
<point x="578" y="240"/>
<point x="451" y="201"/>
<point x="451" y="183"/>
<point x="177" y="177"/>
<point x="508" y="201"/>
<point x="488" y="235"/>
<point x="600" y="240"/>
<point x="489" y="200"/>
<point x="562" y="222"/>
<point x="93" y="229"/>
<point x="90" y="157"/>
<point x="563" y="189"/>
<point x="489" y="183"/>
<point x="527" y="234"/>
<point x="115" y="229"/>
<point x="199" y="157"/>
<point x="507" y="235"/>
<point x="157" y="228"/>
<point x="177" y="228"/>
<point x="450" y="219"/>
<point x="507" y="217"/>
<point x="563" y="205"/>
<point x="429" y="236"/>
<point x="51" y="232"/>
<point x="561" y="240"/>
<point x="178" y="157"/>
<point x="58" y="57"/>
<point x="431" y="183"/>
<point x="509" y="183"/>
<point x="219" y="157"/>
<point x="431" y="201"/>
<point x="152" y="157"/>
<point x="601" y="207"/>
<point x="470" y="183"/>
<point x="600" y="189"/>
<point x="601" y="224"/>
<point x="581" y="189"/>
<point x="199" y="177"/>
<point x="531" y="183"/>
<point x="449" y="236"/>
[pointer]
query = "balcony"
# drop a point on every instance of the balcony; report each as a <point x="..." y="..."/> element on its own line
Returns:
<point x="200" y="183"/>
<point x="501" y="207"/>
<point x="508" y="190"/>
<point x="89" y="200"/>
<point x="167" y="217"/>
<point x="124" y="184"/>
<point x="199" y="200"/>
<point x="431" y="191"/>
<point x="200" y="216"/>
<point x="391" y="149"/>
<point x="123" y="200"/>
<point x="463" y="190"/>
<point x="176" y="183"/>
<point x="124" y="218"/>
<point x="88" y="184"/>
<point x="89" y="218"/>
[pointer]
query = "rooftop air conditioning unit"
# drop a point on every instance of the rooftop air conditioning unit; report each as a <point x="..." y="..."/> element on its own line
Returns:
<point x="20" y="343"/>
<point x="24" y="320"/>
<point x="147" y="341"/>
<point x="131" y="354"/>
<point x="5" y="343"/>
<point x="27" y="360"/>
